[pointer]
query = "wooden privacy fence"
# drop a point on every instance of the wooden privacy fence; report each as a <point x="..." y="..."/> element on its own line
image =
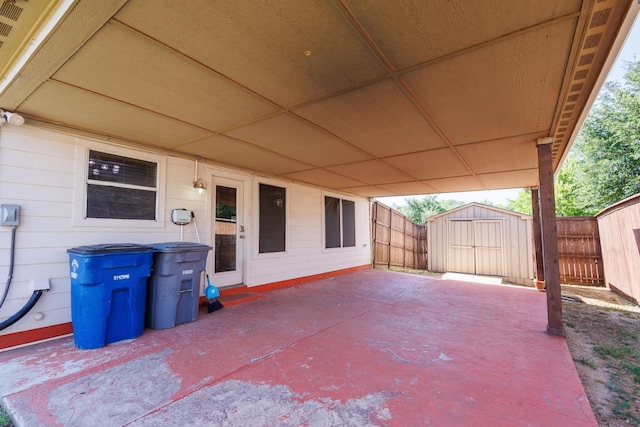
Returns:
<point x="579" y="252"/>
<point x="620" y="232"/>
<point x="397" y="241"/>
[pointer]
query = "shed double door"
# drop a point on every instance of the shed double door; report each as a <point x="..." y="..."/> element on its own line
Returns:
<point x="476" y="247"/>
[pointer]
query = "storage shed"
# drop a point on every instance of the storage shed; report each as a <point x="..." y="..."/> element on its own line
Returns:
<point x="484" y="240"/>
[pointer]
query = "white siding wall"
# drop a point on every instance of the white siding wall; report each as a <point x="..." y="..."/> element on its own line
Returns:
<point x="38" y="171"/>
<point x="518" y="243"/>
<point x="305" y="253"/>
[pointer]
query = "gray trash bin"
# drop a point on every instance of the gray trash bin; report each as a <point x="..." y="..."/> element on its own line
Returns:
<point x="173" y="290"/>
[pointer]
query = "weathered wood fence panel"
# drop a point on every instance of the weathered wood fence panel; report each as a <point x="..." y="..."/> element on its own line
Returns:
<point x="579" y="252"/>
<point x="397" y="241"/>
<point x="620" y="233"/>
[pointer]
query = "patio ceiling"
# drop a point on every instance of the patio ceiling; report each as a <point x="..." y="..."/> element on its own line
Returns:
<point x="374" y="98"/>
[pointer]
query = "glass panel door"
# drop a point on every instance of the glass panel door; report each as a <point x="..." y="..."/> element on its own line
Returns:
<point x="226" y="227"/>
<point x="229" y="232"/>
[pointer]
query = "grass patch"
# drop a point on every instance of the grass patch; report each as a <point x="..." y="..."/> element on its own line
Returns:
<point x="418" y="272"/>
<point x="615" y="352"/>
<point x="634" y="369"/>
<point x="5" y="419"/>
<point x="623" y="333"/>
<point x="587" y="362"/>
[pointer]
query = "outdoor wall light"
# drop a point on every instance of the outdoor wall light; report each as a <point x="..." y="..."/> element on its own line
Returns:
<point x="198" y="183"/>
<point x="200" y="186"/>
<point x="14" y="119"/>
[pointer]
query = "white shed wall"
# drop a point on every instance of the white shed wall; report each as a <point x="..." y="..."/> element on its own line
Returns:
<point x="39" y="171"/>
<point x="517" y="238"/>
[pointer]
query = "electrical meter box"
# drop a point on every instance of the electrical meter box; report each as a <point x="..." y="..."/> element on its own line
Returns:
<point x="10" y="215"/>
<point x="181" y="216"/>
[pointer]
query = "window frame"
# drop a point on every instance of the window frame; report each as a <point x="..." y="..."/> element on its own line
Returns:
<point x="287" y="219"/>
<point x="82" y="182"/>
<point x="342" y="247"/>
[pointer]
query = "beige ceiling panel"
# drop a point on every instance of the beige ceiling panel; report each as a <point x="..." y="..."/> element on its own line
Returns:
<point x="379" y="119"/>
<point x="372" y="172"/>
<point x="289" y="51"/>
<point x="456" y="183"/>
<point x="430" y="164"/>
<point x="501" y="155"/>
<point x="497" y="91"/>
<point x="369" y="191"/>
<point x="125" y="65"/>
<point x="323" y="178"/>
<point x="519" y="179"/>
<point x="408" y="188"/>
<point x="80" y="109"/>
<point x="293" y="137"/>
<point x="230" y="152"/>
<point x="412" y="32"/>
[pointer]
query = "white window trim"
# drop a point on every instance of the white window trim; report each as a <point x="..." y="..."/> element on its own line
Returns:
<point x="324" y="223"/>
<point x="80" y="199"/>
<point x="287" y="237"/>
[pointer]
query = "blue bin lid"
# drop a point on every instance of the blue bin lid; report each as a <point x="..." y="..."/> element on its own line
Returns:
<point x="180" y="247"/>
<point x="107" y="248"/>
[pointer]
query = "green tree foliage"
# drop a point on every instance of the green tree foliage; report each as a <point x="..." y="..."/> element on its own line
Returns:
<point x="419" y="209"/>
<point x="570" y="198"/>
<point x="604" y="166"/>
<point x="522" y="203"/>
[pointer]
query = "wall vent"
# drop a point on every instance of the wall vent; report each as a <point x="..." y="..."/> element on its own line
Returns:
<point x="600" y="18"/>
<point x="582" y="74"/>
<point x="576" y="87"/>
<point x="592" y="41"/>
<point x="586" y="59"/>
<point x="10" y="10"/>
<point x="5" y="29"/>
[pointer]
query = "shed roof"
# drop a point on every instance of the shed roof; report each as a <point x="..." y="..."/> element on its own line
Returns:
<point x="481" y="206"/>
<point x="375" y="98"/>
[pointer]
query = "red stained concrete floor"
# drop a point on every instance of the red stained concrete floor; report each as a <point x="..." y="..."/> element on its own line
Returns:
<point x="368" y="348"/>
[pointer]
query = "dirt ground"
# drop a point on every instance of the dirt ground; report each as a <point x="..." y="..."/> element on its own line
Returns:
<point x="602" y="332"/>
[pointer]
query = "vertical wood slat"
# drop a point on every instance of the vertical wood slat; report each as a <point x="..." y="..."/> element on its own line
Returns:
<point x="619" y="226"/>
<point x="397" y="241"/>
<point x="579" y="251"/>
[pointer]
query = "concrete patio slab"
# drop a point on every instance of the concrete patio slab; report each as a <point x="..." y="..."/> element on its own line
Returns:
<point x="368" y="348"/>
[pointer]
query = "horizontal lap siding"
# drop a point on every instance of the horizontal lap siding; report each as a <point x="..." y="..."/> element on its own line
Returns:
<point x="38" y="172"/>
<point x="305" y="253"/>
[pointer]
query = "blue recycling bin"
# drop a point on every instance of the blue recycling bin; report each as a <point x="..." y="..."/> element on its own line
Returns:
<point x="108" y="292"/>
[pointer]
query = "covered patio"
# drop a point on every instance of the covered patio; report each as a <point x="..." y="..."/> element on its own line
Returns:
<point x="378" y="99"/>
<point x="367" y="348"/>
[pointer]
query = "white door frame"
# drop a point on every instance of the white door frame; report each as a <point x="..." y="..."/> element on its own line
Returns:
<point x="237" y="276"/>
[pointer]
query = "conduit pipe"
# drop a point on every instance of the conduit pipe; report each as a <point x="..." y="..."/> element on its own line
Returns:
<point x="23" y="311"/>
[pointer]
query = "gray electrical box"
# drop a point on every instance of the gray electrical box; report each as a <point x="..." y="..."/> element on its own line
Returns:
<point x="9" y="215"/>
<point x="181" y="216"/>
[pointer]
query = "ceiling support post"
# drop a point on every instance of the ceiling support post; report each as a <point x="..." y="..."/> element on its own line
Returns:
<point x="549" y="237"/>
<point x="537" y="237"/>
